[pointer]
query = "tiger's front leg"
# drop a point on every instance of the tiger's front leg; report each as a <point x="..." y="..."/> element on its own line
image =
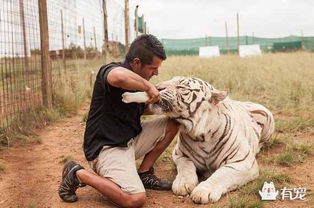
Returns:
<point x="186" y="179"/>
<point x="223" y="180"/>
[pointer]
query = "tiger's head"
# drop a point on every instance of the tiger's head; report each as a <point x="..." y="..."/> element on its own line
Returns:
<point x="186" y="98"/>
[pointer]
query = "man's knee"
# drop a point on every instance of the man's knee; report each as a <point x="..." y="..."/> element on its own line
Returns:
<point x="135" y="200"/>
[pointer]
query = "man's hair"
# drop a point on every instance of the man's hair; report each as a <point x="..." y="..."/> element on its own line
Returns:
<point x="145" y="47"/>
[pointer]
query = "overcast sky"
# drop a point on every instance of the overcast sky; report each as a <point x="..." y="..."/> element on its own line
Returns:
<point x="197" y="18"/>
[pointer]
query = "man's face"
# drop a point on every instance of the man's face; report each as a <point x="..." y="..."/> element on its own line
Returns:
<point x="148" y="70"/>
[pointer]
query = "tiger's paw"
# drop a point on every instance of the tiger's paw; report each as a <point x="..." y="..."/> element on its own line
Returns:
<point x="203" y="194"/>
<point x="184" y="184"/>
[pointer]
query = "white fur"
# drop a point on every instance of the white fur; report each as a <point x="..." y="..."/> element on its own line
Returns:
<point x="228" y="167"/>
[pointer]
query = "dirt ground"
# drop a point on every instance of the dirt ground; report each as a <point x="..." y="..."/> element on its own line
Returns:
<point x="33" y="173"/>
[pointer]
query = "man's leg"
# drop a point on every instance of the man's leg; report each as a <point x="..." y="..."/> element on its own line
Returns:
<point x="116" y="178"/>
<point x="155" y="137"/>
<point x="111" y="190"/>
<point x="151" y="157"/>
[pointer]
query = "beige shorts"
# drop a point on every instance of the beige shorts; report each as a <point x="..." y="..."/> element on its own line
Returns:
<point x="118" y="163"/>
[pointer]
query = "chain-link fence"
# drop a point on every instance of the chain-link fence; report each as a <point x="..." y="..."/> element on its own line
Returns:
<point x="230" y="45"/>
<point x="76" y="31"/>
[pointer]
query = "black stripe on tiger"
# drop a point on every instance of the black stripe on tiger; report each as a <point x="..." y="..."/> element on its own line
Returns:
<point x="229" y="155"/>
<point x="227" y="166"/>
<point x="223" y="138"/>
<point x="197" y="106"/>
<point x="237" y="161"/>
<point x="240" y="160"/>
<point x="193" y="153"/>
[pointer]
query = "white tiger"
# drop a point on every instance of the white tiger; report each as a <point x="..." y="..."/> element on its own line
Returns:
<point x="218" y="140"/>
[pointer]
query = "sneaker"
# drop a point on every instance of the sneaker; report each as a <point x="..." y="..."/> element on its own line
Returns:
<point x="69" y="182"/>
<point x="150" y="181"/>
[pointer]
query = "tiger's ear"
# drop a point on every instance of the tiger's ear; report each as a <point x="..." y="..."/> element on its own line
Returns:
<point x="218" y="95"/>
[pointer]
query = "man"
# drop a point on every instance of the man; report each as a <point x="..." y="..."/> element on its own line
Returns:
<point x="115" y="137"/>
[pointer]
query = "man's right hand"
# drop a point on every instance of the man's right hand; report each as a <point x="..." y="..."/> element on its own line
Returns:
<point x="126" y="79"/>
<point x="153" y="94"/>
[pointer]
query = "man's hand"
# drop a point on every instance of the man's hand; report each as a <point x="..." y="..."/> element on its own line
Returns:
<point x="153" y="94"/>
<point x="126" y="79"/>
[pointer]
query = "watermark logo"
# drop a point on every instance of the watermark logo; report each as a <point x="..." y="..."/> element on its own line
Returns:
<point x="269" y="192"/>
<point x="293" y="194"/>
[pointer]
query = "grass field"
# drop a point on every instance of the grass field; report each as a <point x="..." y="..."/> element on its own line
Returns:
<point x="282" y="82"/>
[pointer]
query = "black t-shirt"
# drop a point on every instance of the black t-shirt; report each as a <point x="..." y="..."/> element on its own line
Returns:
<point x="110" y="121"/>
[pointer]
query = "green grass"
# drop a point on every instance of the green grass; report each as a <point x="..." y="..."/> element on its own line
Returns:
<point x="269" y="175"/>
<point x="240" y="202"/>
<point x="274" y="142"/>
<point x="65" y="158"/>
<point x="293" y="154"/>
<point x="299" y="124"/>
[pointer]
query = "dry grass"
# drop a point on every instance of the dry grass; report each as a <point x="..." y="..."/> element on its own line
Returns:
<point x="70" y="91"/>
<point x="65" y="158"/>
<point x="282" y="82"/>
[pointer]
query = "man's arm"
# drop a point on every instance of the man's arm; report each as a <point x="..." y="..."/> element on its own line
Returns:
<point x="123" y="78"/>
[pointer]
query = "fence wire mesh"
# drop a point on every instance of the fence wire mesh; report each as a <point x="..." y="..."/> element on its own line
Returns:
<point x="76" y="35"/>
<point x="20" y="74"/>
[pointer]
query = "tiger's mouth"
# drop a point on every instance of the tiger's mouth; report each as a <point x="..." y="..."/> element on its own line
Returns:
<point x="165" y="105"/>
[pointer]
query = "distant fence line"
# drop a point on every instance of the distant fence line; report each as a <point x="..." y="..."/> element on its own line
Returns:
<point x="191" y="46"/>
<point x="76" y="30"/>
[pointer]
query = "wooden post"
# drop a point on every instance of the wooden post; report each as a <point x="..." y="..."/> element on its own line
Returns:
<point x="22" y="17"/>
<point x="126" y="21"/>
<point x="44" y="44"/>
<point x="106" y="39"/>
<point x="227" y="38"/>
<point x="95" y="41"/>
<point x="238" y="32"/>
<point x="136" y="20"/>
<point x="84" y="38"/>
<point x="63" y="43"/>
